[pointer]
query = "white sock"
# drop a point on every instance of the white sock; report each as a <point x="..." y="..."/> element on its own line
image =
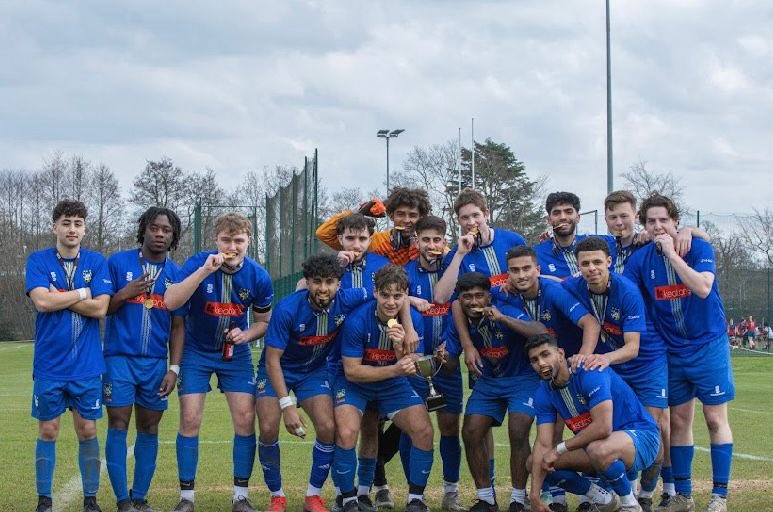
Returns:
<point x="560" y="499"/>
<point x="338" y="491"/>
<point x="450" y="487"/>
<point x="412" y="497"/>
<point x="363" y="490"/>
<point x="598" y="495"/>
<point x="635" y="486"/>
<point x="280" y="492"/>
<point x="313" y="491"/>
<point x="241" y="492"/>
<point x="186" y="495"/>
<point x="486" y="494"/>
<point x="518" y="495"/>
<point x="646" y="494"/>
<point x="629" y="500"/>
<point x="669" y="489"/>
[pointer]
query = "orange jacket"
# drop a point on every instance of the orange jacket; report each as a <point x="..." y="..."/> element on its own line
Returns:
<point x="380" y="242"/>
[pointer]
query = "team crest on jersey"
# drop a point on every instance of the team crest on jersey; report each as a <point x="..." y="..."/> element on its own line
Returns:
<point x="546" y="316"/>
<point x="615" y="313"/>
<point x="340" y="395"/>
<point x="262" y="386"/>
<point x="107" y="391"/>
<point x="210" y="288"/>
<point x="581" y="399"/>
<point x="499" y="334"/>
<point x="244" y="294"/>
<point x="129" y="275"/>
<point x="167" y="282"/>
<point x="87" y="276"/>
<point x="340" y="319"/>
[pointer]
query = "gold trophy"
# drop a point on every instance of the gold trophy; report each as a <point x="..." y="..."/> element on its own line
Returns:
<point x="425" y="368"/>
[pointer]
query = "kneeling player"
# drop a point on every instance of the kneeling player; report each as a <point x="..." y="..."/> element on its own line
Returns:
<point x="376" y="364"/>
<point x="612" y="430"/>
<point x="506" y="385"/>
<point x="300" y="336"/>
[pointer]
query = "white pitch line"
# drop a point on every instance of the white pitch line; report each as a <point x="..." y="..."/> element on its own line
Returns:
<point x="752" y="411"/>
<point x="74" y="487"/>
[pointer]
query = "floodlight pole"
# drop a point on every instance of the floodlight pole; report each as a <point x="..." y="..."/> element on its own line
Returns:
<point x="387" y="134"/>
<point x="610" y="174"/>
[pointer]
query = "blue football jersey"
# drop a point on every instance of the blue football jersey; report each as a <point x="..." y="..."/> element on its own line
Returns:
<point x="500" y="349"/>
<point x="557" y="309"/>
<point x="490" y="260"/>
<point x="134" y="330"/>
<point x="557" y="261"/>
<point x="306" y="335"/>
<point x="363" y="275"/>
<point x="422" y="285"/>
<point x="222" y="300"/>
<point x="585" y="390"/>
<point x="67" y="344"/>
<point x="683" y="319"/>
<point x="619" y="311"/>
<point x="619" y="253"/>
<point x="364" y="336"/>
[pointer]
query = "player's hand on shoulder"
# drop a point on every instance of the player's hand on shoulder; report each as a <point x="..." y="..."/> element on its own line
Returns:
<point x="420" y="304"/>
<point x="596" y="362"/>
<point x="683" y="242"/>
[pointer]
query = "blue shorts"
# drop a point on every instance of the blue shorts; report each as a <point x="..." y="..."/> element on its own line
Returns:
<point x="450" y="386"/>
<point x="495" y="396"/>
<point x="50" y="398"/>
<point x="389" y="396"/>
<point x="647" y="444"/>
<point x="134" y="379"/>
<point x="649" y="384"/>
<point x="235" y="376"/>
<point x="706" y="374"/>
<point x="304" y="385"/>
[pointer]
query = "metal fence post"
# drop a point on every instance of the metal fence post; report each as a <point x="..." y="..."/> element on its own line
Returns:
<point x="197" y="227"/>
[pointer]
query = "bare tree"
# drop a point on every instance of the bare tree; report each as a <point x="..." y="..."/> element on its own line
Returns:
<point x="52" y="179"/>
<point x="644" y="182"/>
<point x="757" y="232"/>
<point x="106" y="207"/>
<point x="77" y="176"/>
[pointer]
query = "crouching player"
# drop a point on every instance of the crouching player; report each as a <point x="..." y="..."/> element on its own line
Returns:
<point x="506" y="386"/>
<point x="613" y="432"/>
<point x="301" y="333"/>
<point x="376" y="364"/>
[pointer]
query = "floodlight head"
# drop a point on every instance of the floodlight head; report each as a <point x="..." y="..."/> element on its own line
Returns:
<point x="382" y="133"/>
<point x="395" y="133"/>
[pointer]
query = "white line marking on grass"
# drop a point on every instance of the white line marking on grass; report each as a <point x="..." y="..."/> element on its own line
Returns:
<point x="752" y="411"/>
<point x="71" y="489"/>
<point x="743" y="456"/>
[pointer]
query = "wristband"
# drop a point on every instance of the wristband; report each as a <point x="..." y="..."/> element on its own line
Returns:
<point x="285" y="402"/>
<point x="174" y="368"/>
<point x="82" y="293"/>
<point x="561" y="448"/>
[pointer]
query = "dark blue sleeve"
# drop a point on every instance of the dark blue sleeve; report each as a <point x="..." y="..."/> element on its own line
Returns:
<point x="192" y="264"/>
<point x="544" y="410"/>
<point x="418" y="326"/>
<point x="595" y="386"/>
<point x="36" y="275"/>
<point x="100" y="283"/>
<point x="175" y="276"/>
<point x="701" y="256"/>
<point x="353" y="337"/>
<point x="566" y="303"/>
<point x="263" y="291"/>
<point x="447" y="260"/>
<point x="353" y="297"/>
<point x="279" y="326"/>
<point x="451" y="337"/>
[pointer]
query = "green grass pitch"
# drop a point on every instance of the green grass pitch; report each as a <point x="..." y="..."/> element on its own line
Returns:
<point x="751" y="416"/>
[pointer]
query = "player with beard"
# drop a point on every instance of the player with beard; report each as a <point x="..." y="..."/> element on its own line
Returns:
<point x="70" y="288"/>
<point x="355" y="234"/>
<point x="404" y="207"/>
<point x="139" y="334"/>
<point x="376" y="361"/>
<point x="221" y="286"/>
<point x="506" y="386"/>
<point x="556" y="254"/>
<point x="629" y="341"/>
<point x="303" y="329"/>
<point x="423" y="274"/>
<point x="689" y="314"/>
<point x="612" y="430"/>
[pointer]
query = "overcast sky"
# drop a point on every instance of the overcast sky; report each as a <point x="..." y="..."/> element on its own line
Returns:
<point x="236" y="86"/>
